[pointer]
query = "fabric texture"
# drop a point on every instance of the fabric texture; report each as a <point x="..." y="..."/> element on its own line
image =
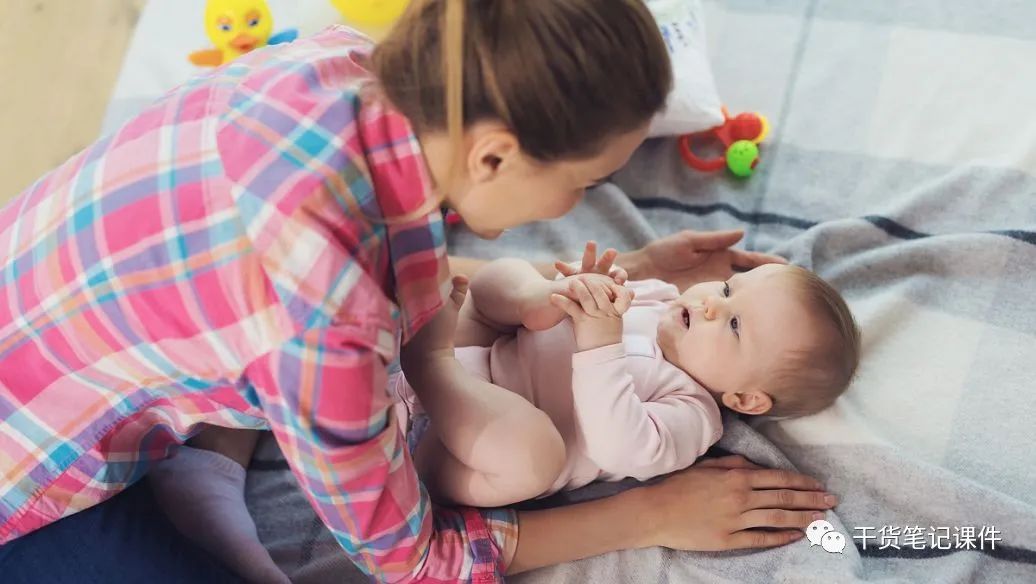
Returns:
<point x="229" y="257"/>
<point x="127" y="539"/>
<point x="901" y="167"/>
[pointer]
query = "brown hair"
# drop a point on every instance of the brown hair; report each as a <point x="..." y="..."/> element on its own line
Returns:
<point x="562" y="75"/>
<point x="812" y="379"/>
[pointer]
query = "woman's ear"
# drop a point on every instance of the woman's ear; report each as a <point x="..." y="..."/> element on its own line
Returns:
<point x="492" y="151"/>
<point x="753" y="403"/>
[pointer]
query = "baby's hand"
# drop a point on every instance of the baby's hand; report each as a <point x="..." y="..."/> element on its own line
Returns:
<point x="596" y="304"/>
<point x="538" y="312"/>
<point x="592" y="265"/>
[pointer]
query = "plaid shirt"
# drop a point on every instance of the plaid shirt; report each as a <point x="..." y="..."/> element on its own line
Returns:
<point x="224" y="259"/>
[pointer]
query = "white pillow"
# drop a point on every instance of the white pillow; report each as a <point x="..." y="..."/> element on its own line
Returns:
<point x="316" y="15"/>
<point x="694" y="104"/>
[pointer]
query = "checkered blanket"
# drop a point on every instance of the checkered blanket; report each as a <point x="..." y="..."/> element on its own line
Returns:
<point x="902" y="168"/>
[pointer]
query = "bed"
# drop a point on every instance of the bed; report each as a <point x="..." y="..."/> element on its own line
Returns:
<point x="902" y="168"/>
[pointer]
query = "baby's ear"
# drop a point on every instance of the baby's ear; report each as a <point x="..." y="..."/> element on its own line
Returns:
<point x="752" y="403"/>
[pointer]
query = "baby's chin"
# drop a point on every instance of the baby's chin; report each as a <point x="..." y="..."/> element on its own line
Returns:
<point x="670" y="354"/>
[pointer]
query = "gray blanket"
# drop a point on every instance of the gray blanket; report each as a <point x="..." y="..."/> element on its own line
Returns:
<point x="902" y="168"/>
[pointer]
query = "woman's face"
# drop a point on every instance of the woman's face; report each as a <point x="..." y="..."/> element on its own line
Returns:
<point x="505" y="188"/>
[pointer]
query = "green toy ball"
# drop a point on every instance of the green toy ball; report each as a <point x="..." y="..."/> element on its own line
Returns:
<point x="742" y="156"/>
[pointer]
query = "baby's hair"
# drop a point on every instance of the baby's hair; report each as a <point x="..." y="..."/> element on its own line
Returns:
<point x="810" y="380"/>
<point x="563" y="75"/>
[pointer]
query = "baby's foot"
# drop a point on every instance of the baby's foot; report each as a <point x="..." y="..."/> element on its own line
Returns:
<point x="435" y="339"/>
<point x="536" y="311"/>
<point x="203" y="494"/>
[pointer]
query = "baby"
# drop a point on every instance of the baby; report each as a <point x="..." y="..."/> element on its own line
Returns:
<point x="556" y="384"/>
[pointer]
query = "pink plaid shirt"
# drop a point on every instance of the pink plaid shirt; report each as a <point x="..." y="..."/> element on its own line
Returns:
<point x="224" y="259"/>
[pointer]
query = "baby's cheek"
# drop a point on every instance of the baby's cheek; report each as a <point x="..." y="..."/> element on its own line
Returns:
<point x="691" y="357"/>
<point x="664" y="341"/>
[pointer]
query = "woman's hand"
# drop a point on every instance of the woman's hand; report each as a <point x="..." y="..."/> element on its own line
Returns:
<point x="722" y="504"/>
<point x="718" y="504"/>
<point x="689" y="257"/>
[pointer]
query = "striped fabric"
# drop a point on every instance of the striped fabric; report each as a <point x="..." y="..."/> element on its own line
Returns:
<point x="224" y="259"/>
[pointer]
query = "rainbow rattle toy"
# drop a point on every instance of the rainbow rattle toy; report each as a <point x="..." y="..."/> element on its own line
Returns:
<point x="740" y="136"/>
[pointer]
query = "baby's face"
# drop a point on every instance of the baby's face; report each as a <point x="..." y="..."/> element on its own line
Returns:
<point x="729" y="335"/>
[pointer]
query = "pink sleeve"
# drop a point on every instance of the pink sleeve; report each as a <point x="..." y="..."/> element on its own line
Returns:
<point x="628" y="437"/>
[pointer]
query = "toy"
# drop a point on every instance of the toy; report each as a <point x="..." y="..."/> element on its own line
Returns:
<point x="373" y="17"/>
<point x="236" y="27"/>
<point x="740" y="136"/>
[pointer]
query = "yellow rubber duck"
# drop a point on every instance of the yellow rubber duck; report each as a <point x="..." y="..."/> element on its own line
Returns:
<point x="236" y="27"/>
<point x="373" y="17"/>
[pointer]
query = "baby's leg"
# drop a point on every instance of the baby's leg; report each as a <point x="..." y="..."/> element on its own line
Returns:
<point x="475" y="420"/>
<point x="450" y="481"/>
<point x="486" y="446"/>
<point x="473" y="330"/>
<point x="202" y="490"/>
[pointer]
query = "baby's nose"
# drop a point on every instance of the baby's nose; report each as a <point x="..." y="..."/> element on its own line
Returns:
<point x="713" y="307"/>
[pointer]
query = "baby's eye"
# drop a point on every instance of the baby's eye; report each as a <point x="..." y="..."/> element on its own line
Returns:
<point x="726" y="289"/>
<point x="735" y="325"/>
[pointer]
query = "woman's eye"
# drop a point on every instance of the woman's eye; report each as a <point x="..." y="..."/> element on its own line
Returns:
<point x="735" y="325"/>
<point x="726" y="289"/>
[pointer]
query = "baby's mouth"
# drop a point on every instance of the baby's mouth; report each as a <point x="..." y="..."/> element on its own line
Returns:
<point x="686" y="318"/>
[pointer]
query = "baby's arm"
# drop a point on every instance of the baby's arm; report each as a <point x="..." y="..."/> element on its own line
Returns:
<point x="623" y="435"/>
<point x="596" y="304"/>
<point x="627" y="437"/>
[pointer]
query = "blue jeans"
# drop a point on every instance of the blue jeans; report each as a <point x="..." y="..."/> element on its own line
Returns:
<point x="125" y="539"/>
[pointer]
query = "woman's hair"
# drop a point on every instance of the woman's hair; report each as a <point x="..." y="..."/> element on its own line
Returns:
<point x="563" y="75"/>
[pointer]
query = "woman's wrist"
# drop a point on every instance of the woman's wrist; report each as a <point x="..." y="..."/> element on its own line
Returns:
<point x="642" y="518"/>
<point x="564" y="534"/>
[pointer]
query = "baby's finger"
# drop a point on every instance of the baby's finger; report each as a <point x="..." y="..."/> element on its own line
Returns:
<point x="623" y="299"/>
<point x="585" y="298"/>
<point x="565" y="269"/>
<point x="619" y="275"/>
<point x="604" y="265"/>
<point x="567" y="305"/>
<point x="589" y="257"/>
<point x="602" y="298"/>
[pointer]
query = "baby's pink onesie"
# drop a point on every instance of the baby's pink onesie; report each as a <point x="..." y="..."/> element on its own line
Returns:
<point x="623" y="410"/>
